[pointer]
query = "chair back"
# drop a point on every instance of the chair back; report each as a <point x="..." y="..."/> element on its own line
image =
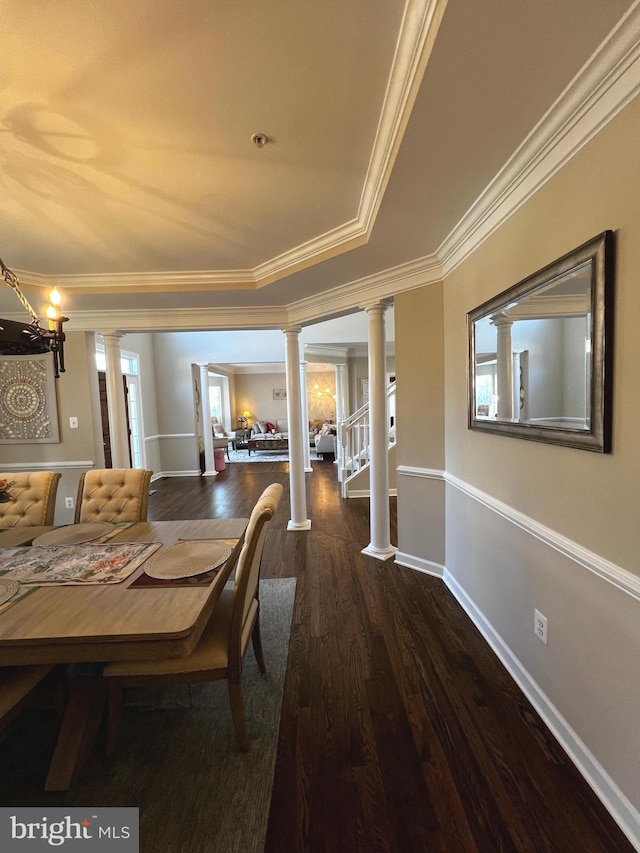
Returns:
<point x="247" y="579"/>
<point x="113" y="494"/>
<point x="31" y="498"/>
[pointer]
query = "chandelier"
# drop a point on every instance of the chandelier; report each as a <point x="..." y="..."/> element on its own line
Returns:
<point x="30" y="338"/>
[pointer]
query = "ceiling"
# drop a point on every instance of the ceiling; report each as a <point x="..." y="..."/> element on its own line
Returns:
<point x="128" y="175"/>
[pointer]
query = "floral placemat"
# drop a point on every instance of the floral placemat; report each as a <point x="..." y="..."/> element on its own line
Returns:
<point x="74" y="564"/>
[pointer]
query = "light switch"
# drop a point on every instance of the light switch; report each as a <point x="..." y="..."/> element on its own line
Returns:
<point x="73" y="423"/>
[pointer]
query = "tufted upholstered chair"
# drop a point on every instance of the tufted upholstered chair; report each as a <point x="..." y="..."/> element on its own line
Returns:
<point x="33" y="499"/>
<point x="113" y="494"/>
<point x="221" y="648"/>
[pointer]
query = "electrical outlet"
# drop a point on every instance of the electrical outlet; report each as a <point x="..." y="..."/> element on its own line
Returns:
<point x="73" y="423"/>
<point x="69" y="503"/>
<point x="540" y="626"/>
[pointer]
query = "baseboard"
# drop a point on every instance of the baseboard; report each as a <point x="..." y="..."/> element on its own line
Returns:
<point x="366" y="493"/>
<point x="419" y="564"/>
<point x="621" y="809"/>
<point x="161" y="474"/>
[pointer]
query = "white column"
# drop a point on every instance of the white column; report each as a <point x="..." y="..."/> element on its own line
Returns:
<point x="340" y="410"/>
<point x="504" y="371"/>
<point x="207" y="431"/>
<point x="116" y="402"/>
<point x="297" y="486"/>
<point x="380" y="524"/>
<point x="306" y="455"/>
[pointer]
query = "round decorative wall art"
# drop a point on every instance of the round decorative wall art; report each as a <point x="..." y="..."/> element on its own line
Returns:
<point x="27" y="399"/>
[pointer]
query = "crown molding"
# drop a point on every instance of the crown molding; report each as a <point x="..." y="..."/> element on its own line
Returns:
<point x="373" y="288"/>
<point x="179" y="319"/>
<point x="605" y="84"/>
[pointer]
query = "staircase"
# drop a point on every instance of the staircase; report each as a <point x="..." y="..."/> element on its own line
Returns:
<point x="355" y="448"/>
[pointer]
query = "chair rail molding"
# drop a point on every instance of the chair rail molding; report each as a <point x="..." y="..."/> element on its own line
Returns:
<point x="605" y="569"/>
<point x="47" y="466"/>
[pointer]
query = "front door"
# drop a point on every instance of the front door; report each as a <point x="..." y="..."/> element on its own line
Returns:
<point x="104" y="414"/>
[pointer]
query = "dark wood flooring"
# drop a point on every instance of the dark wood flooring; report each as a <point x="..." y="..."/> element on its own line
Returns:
<point x="400" y="730"/>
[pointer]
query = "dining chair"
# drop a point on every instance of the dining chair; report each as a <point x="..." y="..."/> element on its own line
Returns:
<point x="113" y="494"/>
<point x="222" y="646"/>
<point x="29" y="498"/>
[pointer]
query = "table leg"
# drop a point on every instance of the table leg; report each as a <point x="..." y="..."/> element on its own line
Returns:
<point x="79" y="729"/>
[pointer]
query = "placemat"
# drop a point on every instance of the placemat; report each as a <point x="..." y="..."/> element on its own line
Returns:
<point x="74" y="564"/>
<point x="188" y="557"/>
<point x="74" y="534"/>
<point x="8" y="589"/>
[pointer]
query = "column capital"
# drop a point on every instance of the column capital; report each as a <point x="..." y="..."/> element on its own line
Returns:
<point x="379" y="304"/>
<point x="111" y="334"/>
<point x="291" y="330"/>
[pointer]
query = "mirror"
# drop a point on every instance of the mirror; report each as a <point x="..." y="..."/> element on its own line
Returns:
<point x="540" y="353"/>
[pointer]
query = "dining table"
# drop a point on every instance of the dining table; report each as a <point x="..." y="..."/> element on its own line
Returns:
<point x="90" y="624"/>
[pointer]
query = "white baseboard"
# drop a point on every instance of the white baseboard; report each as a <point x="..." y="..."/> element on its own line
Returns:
<point x="366" y="493"/>
<point x="161" y="474"/>
<point x="419" y="564"/>
<point x="621" y="809"/>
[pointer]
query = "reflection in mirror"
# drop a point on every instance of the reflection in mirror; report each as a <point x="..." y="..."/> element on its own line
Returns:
<point x="537" y="353"/>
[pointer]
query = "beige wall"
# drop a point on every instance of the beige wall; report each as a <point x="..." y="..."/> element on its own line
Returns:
<point x="518" y="512"/>
<point x="254" y="392"/>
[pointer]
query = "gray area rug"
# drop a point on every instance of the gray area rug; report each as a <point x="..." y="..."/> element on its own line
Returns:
<point x="264" y="456"/>
<point x="177" y="759"/>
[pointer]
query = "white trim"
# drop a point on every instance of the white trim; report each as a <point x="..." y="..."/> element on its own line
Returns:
<point x="614" y="800"/>
<point x="419" y="564"/>
<point x="427" y="473"/>
<point x="605" y="569"/>
<point x="605" y="84"/>
<point x="366" y="493"/>
<point x="161" y="474"/>
<point x="46" y="466"/>
<point x="171" y="435"/>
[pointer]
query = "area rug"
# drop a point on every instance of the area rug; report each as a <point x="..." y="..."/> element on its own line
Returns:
<point x="177" y="759"/>
<point x="262" y="456"/>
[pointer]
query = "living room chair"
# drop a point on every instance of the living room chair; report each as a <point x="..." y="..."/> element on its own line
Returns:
<point x="113" y="494"/>
<point x="221" y="437"/>
<point x="221" y="649"/>
<point x="31" y="498"/>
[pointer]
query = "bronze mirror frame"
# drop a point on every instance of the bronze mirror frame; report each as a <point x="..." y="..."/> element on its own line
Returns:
<point x="594" y="259"/>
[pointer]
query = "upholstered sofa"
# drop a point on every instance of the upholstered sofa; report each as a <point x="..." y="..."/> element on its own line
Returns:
<point x="280" y="426"/>
<point x="326" y="440"/>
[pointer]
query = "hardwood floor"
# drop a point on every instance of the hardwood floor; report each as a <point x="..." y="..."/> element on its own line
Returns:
<point x="400" y="729"/>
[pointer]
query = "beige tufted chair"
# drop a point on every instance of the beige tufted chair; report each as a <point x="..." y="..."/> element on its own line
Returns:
<point x="33" y="499"/>
<point x="113" y="494"/>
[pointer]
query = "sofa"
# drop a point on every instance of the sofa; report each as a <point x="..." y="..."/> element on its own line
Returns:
<point x="326" y="441"/>
<point x="279" y="426"/>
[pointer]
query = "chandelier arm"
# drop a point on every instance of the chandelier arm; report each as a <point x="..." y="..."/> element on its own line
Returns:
<point x="12" y="280"/>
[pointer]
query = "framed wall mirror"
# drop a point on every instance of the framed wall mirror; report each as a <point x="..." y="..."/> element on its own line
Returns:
<point x="540" y="353"/>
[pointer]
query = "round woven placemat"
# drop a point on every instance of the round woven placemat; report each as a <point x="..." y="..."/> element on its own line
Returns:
<point x="75" y="534"/>
<point x="188" y="558"/>
<point x="8" y="589"/>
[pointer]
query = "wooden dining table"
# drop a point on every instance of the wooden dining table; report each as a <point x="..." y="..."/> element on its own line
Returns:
<point x="93" y="624"/>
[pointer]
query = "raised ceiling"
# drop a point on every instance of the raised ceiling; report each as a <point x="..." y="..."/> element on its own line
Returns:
<point x="127" y="167"/>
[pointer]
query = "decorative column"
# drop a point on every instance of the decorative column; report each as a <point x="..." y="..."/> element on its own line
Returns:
<point x="380" y="546"/>
<point x="306" y="454"/>
<point x="504" y="357"/>
<point x="297" y="486"/>
<point x="116" y="401"/>
<point x="207" y="431"/>
<point x="340" y="411"/>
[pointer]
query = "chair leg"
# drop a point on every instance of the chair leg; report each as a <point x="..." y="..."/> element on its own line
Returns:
<point x="237" y="713"/>
<point x="114" y="715"/>
<point x="256" y="640"/>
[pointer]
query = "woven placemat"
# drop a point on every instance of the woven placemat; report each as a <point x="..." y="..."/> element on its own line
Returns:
<point x="8" y="589"/>
<point x="187" y="558"/>
<point x="75" y="534"/>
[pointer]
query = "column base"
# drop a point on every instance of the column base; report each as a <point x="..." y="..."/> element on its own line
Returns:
<point x="380" y="553"/>
<point x="308" y="470"/>
<point x="299" y="525"/>
<point x="209" y="473"/>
